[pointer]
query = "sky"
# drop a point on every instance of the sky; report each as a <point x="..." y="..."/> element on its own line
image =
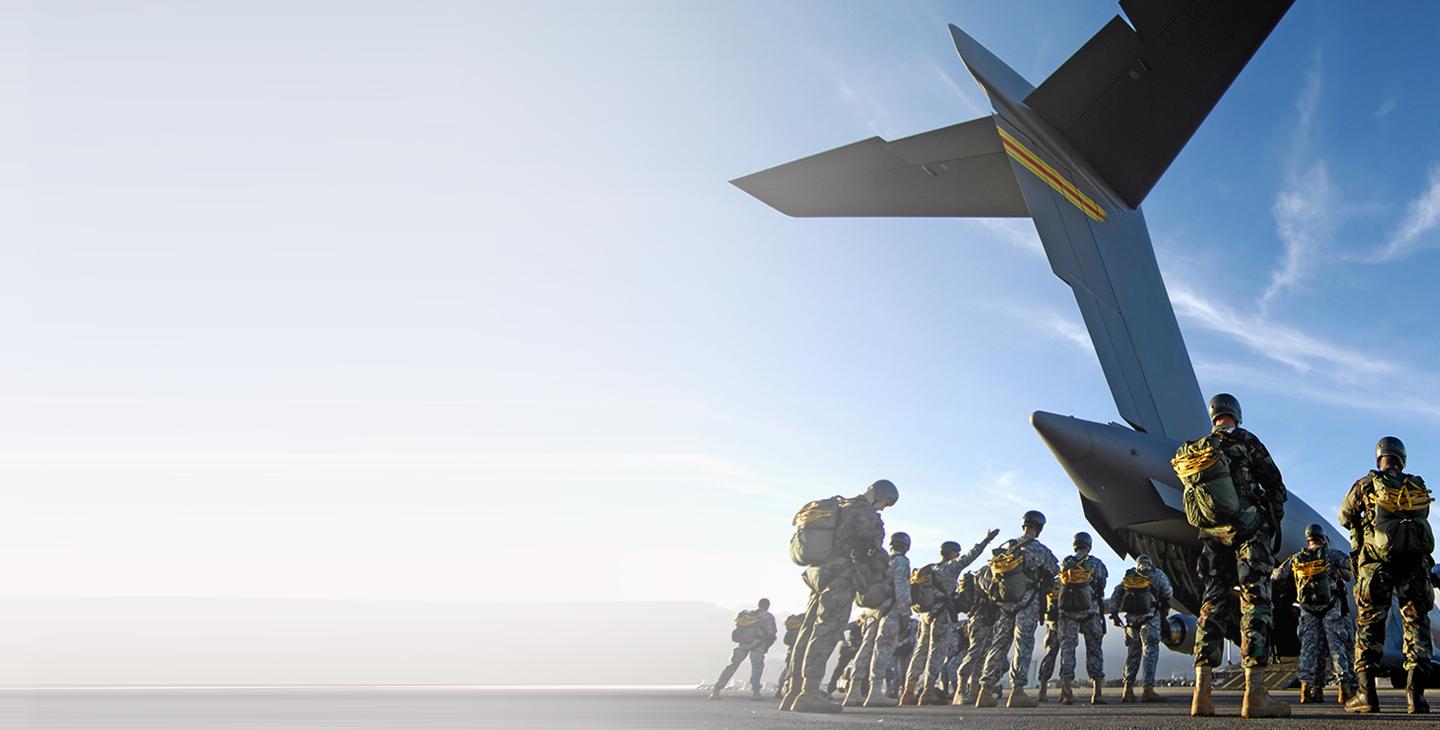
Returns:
<point x="453" y="301"/>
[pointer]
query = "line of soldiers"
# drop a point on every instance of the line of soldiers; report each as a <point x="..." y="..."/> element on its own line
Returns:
<point x="840" y="541"/>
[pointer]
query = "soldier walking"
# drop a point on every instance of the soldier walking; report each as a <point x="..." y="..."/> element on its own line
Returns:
<point x="754" y="633"/>
<point x="1388" y="515"/>
<point x="1144" y="596"/>
<point x="1082" y="588"/>
<point x="1319" y="573"/>
<point x="1240" y="553"/>
<point x="840" y="540"/>
<point x="1022" y="571"/>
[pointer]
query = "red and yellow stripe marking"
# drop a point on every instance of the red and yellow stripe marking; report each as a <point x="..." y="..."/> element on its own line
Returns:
<point x="1033" y="163"/>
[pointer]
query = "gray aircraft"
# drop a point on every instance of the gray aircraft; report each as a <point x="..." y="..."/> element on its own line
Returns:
<point x="1078" y="155"/>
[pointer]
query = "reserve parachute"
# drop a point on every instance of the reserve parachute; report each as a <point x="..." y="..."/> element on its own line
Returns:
<point x="1136" y="597"/>
<point x="1076" y="596"/>
<point x="1400" y="518"/>
<point x="1213" y="501"/>
<point x="815" y="526"/>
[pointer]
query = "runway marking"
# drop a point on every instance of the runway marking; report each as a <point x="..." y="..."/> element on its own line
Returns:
<point x="1034" y="164"/>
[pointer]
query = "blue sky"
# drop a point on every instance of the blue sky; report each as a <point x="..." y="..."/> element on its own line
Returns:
<point x="463" y="290"/>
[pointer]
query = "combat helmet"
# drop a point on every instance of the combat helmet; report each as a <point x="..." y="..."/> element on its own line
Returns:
<point x="1224" y="404"/>
<point x="1316" y="532"/>
<point x="883" y="491"/>
<point x="1033" y="517"/>
<point x="900" y="541"/>
<point x="1083" y="539"/>
<point x="950" y="546"/>
<point x="1390" y="446"/>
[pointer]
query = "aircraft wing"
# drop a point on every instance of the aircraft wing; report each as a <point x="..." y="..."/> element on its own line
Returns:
<point x="960" y="170"/>
<point x="1130" y="99"/>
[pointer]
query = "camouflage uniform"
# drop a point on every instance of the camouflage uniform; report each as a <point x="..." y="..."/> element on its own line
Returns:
<point x="950" y="675"/>
<point x="1323" y="627"/>
<point x="1052" y="638"/>
<point x="1142" y="630"/>
<point x="1377" y="580"/>
<point x="980" y="630"/>
<point x="1091" y="623"/>
<point x="757" y="641"/>
<point x="1247" y="564"/>
<point x="789" y="641"/>
<point x="833" y="584"/>
<point x="882" y="634"/>
<point x="849" y="648"/>
<point x="1015" y="623"/>
<point x="936" y="642"/>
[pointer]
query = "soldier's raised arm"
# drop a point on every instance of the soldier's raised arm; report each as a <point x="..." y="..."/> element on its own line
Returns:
<point x="965" y="560"/>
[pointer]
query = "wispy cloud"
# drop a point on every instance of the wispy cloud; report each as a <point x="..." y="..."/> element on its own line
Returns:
<point x="1387" y="105"/>
<point x="1017" y="232"/>
<point x="1305" y="208"/>
<point x="1421" y="216"/>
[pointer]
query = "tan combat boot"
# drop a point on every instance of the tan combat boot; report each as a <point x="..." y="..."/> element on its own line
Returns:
<point x="853" y="697"/>
<point x="931" y="696"/>
<point x="1346" y="692"/>
<point x="1257" y="701"/>
<point x="1040" y="693"/>
<point x="1018" y="698"/>
<point x="1128" y="694"/>
<point x="1150" y="695"/>
<point x="1305" y="693"/>
<point x="910" y="695"/>
<point x="811" y="701"/>
<point x="1200" y="704"/>
<point x="1067" y="695"/>
<point x="876" y="697"/>
<point x="1366" y="699"/>
<point x="1097" y="697"/>
<point x="986" y="696"/>
<point x="965" y="695"/>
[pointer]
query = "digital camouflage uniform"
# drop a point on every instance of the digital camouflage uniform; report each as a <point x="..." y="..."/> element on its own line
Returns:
<point x="859" y="539"/>
<point x="1246" y="564"/>
<point x="1090" y="623"/>
<point x="1142" y="630"/>
<point x="936" y="641"/>
<point x="1377" y="580"/>
<point x="950" y="673"/>
<point x="1015" y="623"/>
<point x="756" y="641"/>
<point x="980" y="629"/>
<point x="1323" y="626"/>
<point x="1052" y="638"/>
<point x="876" y="658"/>
<point x="849" y="648"/>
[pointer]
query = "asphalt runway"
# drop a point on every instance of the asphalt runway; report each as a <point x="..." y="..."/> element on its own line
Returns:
<point x="367" y="708"/>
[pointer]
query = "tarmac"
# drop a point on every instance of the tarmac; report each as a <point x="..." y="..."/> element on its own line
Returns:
<point x="387" y="708"/>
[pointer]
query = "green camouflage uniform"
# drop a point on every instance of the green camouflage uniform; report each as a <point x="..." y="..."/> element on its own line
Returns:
<point x="1247" y="563"/>
<point x="755" y="641"/>
<point x="1377" y="580"/>
<point x="859" y="540"/>
<point x="1015" y="623"/>
<point x="1091" y="623"/>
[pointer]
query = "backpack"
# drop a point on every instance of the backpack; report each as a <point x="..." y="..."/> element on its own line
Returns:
<point x="1312" y="581"/>
<point x="747" y="628"/>
<point x="1213" y="501"/>
<point x="815" y="526"/>
<point x="1136" y="597"/>
<point x="1400" y="509"/>
<point x="967" y="595"/>
<point x="925" y="594"/>
<point x="1010" y="582"/>
<point x="1076" y="595"/>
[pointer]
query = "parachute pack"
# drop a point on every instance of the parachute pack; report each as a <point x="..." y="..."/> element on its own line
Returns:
<point x="925" y="594"/>
<point x="968" y="594"/>
<point x="1136" y="596"/>
<point x="815" y="527"/>
<point x="1076" y="594"/>
<point x="794" y="621"/>
<point x="1213" y="501"/>
<point x="747" y="628"/>
<point x="1010" y="581"/>
<point x="1312" y="582"/>
<point x="1400" y="516"/>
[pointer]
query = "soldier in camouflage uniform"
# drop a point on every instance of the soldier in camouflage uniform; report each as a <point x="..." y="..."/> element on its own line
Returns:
<point x="754" y="633"/>
<point x="1246" y="561"/>
<point x="858" y="545"/>
<point x="980" y="632"/>
<point x="935" y="642"/>
<point x="1319" y="574"/>
<point x="877" y="652"/>
<point x="849" y="648"/>
<point x="1019" y="613"/>
<point x="792" y="632"/>
<point x="1387" y="513"/>
<point x="1090" y="622"/>
<point x="950" y="675"/>
<point x="1052" y="644"/>
<point x="1142" y="627"/>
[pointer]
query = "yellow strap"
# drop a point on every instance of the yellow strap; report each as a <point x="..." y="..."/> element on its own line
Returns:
<point x="1195" y="461"/>
<point x="1308" y="569"/>
<point x="1135" y="580"/>
<point x="1075" y="576"/>
<point x="1408" y="496"/>
<point x="810" y="514"/>
<point x="1006" y="562"/>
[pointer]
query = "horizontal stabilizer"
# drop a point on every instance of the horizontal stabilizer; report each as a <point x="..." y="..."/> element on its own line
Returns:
<point x="958" y="171"/>
<point x="1130" y="99"/>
